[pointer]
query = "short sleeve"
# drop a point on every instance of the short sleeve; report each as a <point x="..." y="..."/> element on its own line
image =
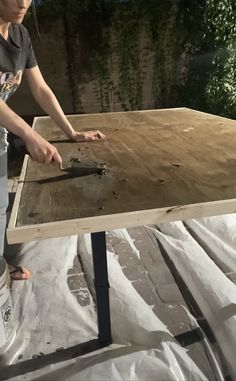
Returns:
<point x="30" y="56"/>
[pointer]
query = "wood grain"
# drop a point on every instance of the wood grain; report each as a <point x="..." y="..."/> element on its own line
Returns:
<point x="158" y="161"/>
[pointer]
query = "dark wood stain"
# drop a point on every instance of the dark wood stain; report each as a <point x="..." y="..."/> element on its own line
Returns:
<point x="153" y="159"/>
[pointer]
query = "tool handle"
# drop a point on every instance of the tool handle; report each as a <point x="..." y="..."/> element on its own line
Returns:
<point x="61" y="167"/>
<point x="24" y="151"/>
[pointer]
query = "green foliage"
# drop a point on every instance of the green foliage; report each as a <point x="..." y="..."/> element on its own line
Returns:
<point x="127" y="24"/>
<point x="73" y="7"/>
<point x="201" y="31"/>
<point x="61" y="7"/>
<point x="220" y="19"/>
<point x="100" y="62"/>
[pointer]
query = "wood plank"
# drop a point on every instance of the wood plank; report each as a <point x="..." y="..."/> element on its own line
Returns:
<point x="15" y="208"/>
<point x="115" y="221"/>
<point x="162" y="165"/>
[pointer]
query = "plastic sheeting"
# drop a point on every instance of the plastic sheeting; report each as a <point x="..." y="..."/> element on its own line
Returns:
<point x="44" y="304"/>
<point x="213" y="291"/>
<point x="218" y="234"/>
<point x="50" y="317"/>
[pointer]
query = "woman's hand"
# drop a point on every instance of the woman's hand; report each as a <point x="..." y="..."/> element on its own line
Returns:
<point x="40" y="150"/>
<point x="87" y="136"/>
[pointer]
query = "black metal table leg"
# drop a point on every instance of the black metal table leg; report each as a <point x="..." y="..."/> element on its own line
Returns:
<point x="101" y="287"/>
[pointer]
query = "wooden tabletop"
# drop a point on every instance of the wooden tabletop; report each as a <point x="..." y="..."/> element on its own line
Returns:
<point x="159" y="165"/>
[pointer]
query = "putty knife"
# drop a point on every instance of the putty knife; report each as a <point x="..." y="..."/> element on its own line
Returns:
<point x="77" y="168"/>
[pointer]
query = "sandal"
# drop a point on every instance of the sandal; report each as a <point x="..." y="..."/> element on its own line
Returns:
<point x="19" y="272"/>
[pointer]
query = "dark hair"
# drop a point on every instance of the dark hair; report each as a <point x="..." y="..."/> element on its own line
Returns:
<point x="35" y="18"/>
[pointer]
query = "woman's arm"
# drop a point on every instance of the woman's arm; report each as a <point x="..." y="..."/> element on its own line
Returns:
<point x="48" y="102"/>
<point x="39" y="149"/>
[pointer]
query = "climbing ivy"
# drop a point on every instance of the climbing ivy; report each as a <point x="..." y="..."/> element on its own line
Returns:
<point x="86" y="27"/>
<point x="192" y="46"/>
<point x="220" y="19"/>
<point x="127" y="25"/>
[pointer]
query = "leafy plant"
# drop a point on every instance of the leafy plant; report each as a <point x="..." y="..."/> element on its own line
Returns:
<point x="193" y="45"/>
<point x="220" y="18"/>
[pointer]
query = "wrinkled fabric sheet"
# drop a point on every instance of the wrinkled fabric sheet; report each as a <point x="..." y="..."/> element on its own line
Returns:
<point x="214" y="292"/>
<point x="49" y="317"/>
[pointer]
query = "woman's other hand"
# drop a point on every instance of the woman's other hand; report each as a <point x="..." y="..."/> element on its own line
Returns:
<point x="40" y="150"/>
<point x="87" y="136"/>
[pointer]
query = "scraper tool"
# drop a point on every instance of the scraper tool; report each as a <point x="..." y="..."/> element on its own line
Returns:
<point x="78" y="168"/>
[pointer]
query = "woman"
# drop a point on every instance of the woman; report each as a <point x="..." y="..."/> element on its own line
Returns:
<point x="17" y="57"/>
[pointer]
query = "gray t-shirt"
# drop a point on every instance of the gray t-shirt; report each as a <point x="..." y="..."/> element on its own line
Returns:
<point x="16" y="55"/>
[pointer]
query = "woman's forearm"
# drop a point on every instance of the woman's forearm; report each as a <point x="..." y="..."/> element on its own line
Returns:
<point x="48" y="102"/>
<point x="13" y="122"/>
<point x="39" y="149"/>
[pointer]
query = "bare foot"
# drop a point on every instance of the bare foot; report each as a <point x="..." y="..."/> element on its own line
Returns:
<point x="19" y="272"/>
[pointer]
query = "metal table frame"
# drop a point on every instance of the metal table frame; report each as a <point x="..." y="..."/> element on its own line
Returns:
<point x="101" y="284"/>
